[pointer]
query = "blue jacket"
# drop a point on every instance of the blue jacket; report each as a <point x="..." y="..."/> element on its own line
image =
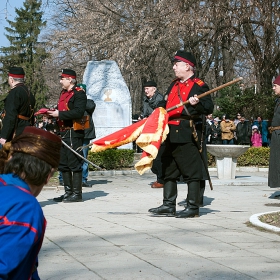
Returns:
<point x="22" y="228"/>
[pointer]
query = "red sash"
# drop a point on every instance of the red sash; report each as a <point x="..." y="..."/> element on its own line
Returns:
<point x="173" y="99"/>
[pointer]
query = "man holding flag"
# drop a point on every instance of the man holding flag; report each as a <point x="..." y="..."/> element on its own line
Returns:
<point x="182" y="156"/>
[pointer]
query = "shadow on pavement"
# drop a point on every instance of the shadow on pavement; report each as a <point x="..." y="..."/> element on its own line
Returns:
<point x="275" y="195"/>
<point x="86" y="196"/>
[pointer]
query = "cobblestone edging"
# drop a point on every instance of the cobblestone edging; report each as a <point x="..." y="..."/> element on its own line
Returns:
<point x="133" y="171"/>
<point x="254" y="219"/>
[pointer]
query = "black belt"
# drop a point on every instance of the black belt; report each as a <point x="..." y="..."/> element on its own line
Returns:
<point x="182" y="118"/>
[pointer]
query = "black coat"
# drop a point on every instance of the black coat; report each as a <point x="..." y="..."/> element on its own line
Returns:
<point x="149" y="105"/>
<point x="77" y="107"/>
<point x="243" y="133"/>
<point x="182" y="133"/>
<point x="274" y="162"/>
<point x="19" y="101"/>
<point x="90" y="107"/>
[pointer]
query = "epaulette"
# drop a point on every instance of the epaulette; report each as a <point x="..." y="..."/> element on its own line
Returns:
<point x="199" y="82"/>
<point x="79" y="89"/>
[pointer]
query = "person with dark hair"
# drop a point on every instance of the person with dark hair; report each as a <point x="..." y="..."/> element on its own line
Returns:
<point x="227" y="129"/>
<point x="181" y="157"/>
<point x="216" y="132"/>
<point x="18" y="106"/>
<point x="243" y="132"/>
<point x="69" y="113"/>
<point x="150" y="102"/>
<point x="263" y="130"/>
<point x="27" y="163"/>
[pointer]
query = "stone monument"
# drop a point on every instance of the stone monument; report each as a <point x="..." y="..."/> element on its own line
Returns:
<point x="106" y="86"/>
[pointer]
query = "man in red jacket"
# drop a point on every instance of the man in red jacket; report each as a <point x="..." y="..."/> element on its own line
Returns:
<point x="181" y="156"/>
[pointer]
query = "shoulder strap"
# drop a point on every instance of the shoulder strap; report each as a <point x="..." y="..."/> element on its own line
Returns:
<point x="199" y="82"/>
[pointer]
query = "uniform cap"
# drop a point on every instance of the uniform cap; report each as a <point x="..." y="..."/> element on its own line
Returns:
<point x="68" y="73"/>
<point x="277" y="81"/>
<point x="16" y="72"/>
<point x="150" y="84"/>
<point x="38" y="143"/>
<point x="185" y="57"/>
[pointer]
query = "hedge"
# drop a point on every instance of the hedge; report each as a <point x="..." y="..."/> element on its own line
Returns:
<point x="252" y="157"/>
<point x="112" y="159"/>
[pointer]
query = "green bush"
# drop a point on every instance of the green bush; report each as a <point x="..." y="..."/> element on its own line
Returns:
<point x="252" y="157"/>
<point x="112" y="159"/>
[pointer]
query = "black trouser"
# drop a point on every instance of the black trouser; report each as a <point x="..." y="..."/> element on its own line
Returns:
<point x="157" y="165"/>
<point x="68" y="160"/>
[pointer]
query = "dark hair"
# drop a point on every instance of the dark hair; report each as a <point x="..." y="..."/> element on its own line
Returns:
<point x="31" y="169"/>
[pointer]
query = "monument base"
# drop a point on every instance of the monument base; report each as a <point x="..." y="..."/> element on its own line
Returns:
<point x="226" y="158"/>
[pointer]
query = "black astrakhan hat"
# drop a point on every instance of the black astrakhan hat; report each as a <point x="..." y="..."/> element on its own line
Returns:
<point x="16" y="72"/>
<point x="184" y="56"/>
<point x="150" y="84"/>
<point x="68" y="73"/>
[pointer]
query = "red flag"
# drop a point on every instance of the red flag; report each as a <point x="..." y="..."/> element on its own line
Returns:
<point x="148" y="133"/>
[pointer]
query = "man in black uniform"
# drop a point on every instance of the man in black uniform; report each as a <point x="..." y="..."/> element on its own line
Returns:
<point x="71" y="107"/>
<point x="19" y="106"/>
<point x="181" y="156"/>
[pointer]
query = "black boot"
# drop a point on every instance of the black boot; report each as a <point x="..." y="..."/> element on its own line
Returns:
<point x="77" y="189"/>
<point x="183" y="203"/>
<point x="192" y="209"/>
<point x="201" y="193"/>
<point x="68" y="188"/>
<point x="168" y="207"/>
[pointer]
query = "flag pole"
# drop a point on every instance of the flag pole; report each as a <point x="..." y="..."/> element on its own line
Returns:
<point x="206" y="93"/>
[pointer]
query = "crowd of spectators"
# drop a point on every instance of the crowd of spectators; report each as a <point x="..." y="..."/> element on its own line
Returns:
<point x="238" y="131"/>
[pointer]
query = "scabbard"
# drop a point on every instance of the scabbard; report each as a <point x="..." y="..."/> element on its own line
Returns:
<point x="194" y="133"/>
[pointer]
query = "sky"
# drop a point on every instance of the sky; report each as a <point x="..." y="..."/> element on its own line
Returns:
<point x="7" y="11"/>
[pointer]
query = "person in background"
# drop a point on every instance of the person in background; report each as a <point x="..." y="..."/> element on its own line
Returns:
<point x="89" y="135"/>
<point x="227" y="128"/>
<point x="27" y="163"/>
<point x="256" y="138"/>
<point x="237" y="119"/>
<point x="216" y="132"/>
<point x="150" y="102"/>
<point x="18" y="106"/>
<point x="243" y="132"/>
<point x="207" y="131"/>
<point x="263" y="130"/>
<point x="274" y="162"/>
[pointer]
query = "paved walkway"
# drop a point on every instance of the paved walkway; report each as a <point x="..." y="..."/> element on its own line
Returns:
<point x="111" y="235"/>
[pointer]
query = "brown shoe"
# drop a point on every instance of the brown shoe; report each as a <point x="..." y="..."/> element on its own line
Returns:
<point x="157" y="185"/>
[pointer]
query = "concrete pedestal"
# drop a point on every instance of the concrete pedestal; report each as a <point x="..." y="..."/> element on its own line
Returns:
<point x="226" y="158"/>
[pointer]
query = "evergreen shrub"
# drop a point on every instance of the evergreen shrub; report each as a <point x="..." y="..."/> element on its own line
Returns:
<point x="112" y="159"/>
<point x="253" y="157"/>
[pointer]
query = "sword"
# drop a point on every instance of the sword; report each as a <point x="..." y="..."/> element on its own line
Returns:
<point x="85" y="159"/>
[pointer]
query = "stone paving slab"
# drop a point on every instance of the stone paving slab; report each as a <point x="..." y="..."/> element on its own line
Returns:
<point x="111" y="235"/>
